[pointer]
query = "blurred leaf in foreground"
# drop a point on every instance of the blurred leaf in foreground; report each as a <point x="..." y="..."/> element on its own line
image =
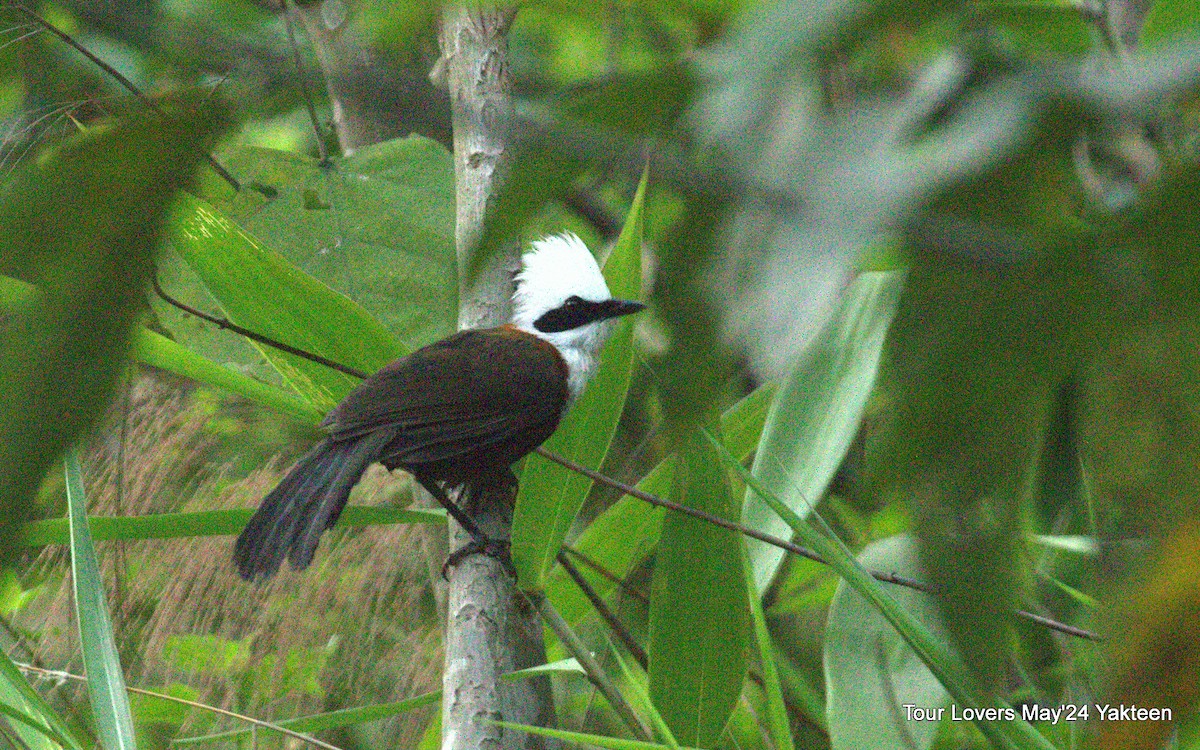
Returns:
<point x="81" y="224"/>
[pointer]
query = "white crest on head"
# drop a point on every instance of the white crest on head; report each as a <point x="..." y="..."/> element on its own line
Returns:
<point x="555" y="269"/>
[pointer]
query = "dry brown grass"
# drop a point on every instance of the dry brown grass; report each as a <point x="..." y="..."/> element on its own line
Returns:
<point x="361" y="620"/>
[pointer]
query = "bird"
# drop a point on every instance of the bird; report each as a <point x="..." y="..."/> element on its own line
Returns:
<point x="456" y="414"/>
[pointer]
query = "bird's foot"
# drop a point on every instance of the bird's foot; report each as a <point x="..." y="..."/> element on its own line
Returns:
<point x="498" y="549"/>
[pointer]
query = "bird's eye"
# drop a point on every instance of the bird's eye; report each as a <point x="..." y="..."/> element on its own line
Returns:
<point x="573" y="300"/>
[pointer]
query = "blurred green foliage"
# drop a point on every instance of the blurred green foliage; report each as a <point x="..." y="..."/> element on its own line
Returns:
<point x="1032" y="167"/>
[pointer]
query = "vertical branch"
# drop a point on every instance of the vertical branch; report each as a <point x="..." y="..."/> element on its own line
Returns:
<point x="370" y="101"/>
<point x="490" y="629"/>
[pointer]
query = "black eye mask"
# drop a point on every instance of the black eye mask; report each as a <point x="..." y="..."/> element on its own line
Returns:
<point x="577" y="312"/>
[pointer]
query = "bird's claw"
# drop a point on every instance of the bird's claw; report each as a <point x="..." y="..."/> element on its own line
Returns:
<point x="497" y="549"/>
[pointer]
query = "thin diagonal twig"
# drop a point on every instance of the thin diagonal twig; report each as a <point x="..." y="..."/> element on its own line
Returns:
<point x="265" y="340"/>
<point x="606" y="614"/>
<point x="117" y="76"/>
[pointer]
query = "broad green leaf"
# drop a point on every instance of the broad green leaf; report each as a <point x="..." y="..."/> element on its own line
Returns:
<point x="105" y="679"/>
<point x="699" y="623"/>
<point x="776" y="719"/>
<point x="945" y="663"/>
<point x="816" y="414"/>
<point x="870" y="672"/>
<point x="261" y="291"/>
<point x="550" y="496"/>
<point x="207" y="523"/>
<point x="39" y="726"/>
<point x="80" y="224"/>
<point x="624" y="534"/>
<point x="377" y="226"/>
<point x="150" y="348"/>
<point x="1170" y="18"/>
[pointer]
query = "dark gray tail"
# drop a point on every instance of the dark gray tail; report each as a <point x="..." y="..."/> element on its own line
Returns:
<point x="291" y="519"/>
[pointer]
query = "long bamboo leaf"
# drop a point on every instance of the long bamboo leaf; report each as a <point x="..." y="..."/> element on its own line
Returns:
<point x="778" y="725"/>
<point x="332" y="720"/>
<point x="105" y="681"/>
<point x="699" y="619"/>
<point x="588" y="740"/>
<point x="158" y="351"/>
<point x="816" y="414"/>
<point x="260" y="290"/>
<point x="20" y="697"/>
<point x="207" y="523"/>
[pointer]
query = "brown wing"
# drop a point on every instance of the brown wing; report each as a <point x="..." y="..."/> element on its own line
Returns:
<point x="498" y="392"/>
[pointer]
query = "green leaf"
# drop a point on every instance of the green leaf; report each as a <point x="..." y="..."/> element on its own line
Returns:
<point x="432" y="738"/>
<point x="1170" y="18"/>
<point x="550" y="496"/>
<point x="40" y="735"/>
<point x="150" y="348"/>
<point x="207" y="523"/>
<point x="636" y="682"/>
<point x="816" y="415"/>
<point x="80" y="224"/>
<point x="377" y="226"/>
<point x="949" y="668"/>
<point x="1040" y="29"/>
<point x="870" y="672"/>
<point x="37" y="724"/>
<point x="261" y="291"/>
<point x="587" y="740"/>
<point x="332" y="720"/>
<point x="105" y="680"/>
<point x="699" y="623"/>
<point x="778" y="724"/>
<point x="624" y="534"/>
<point x="563" y="666"/>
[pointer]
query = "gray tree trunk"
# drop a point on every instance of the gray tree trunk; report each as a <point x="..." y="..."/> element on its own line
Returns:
<point x="490" y="628"/>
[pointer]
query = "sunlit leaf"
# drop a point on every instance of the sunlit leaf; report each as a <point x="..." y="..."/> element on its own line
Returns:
<point x="261" y="291"/>
<point x="870" y="672"/>
<point x="816" y="413"/>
